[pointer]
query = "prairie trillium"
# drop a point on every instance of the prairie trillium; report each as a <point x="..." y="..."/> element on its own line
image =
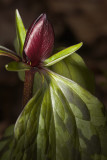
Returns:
<point x="38" y="43"/>
<point x="33" y="49"/>
<point x="35" y="46"/>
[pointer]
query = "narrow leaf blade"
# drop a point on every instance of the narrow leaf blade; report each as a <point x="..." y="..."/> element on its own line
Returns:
<point x="21" y="32"/>
<point x="8" y="53"/>
<point x="61" y="55"/>
<point x="17" y="66"/>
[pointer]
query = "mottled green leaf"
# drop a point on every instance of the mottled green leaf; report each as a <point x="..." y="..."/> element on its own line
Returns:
<point x="61" y="55"/>
<point x="21" y="33"/>
<point x="26" y="129"/>
<point x="62" y="121"/>
<point x="17" y="66"/>
<point x="6" y="143"/>
<point x="73" y="67"/>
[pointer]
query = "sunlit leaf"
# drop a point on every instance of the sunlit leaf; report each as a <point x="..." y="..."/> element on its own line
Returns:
<point x="61" y="55"/>
<point x="21" y="33"/>
<point x="62" y="121"/>
<point x="74" y="68"/>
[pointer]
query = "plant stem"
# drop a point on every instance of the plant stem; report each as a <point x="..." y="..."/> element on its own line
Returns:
<point x="28" y="86"/>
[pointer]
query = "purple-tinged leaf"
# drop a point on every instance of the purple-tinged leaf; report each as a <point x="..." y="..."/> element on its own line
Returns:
<point x="39" y="41"/>
<point x="8" y="53"/>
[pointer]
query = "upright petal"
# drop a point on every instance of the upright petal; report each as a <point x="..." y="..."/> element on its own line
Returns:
<point x="39" y="41"/>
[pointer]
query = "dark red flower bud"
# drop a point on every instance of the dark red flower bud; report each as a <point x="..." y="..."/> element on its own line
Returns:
<point x="38" y="42"/>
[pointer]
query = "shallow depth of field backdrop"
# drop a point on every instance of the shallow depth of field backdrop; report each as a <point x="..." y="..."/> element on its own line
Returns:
<point x="73" y="21"/>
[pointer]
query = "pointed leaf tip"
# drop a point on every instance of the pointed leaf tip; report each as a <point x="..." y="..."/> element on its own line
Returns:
<point x="17" y="13"/>
<point x="21" y="32"/>
<point x="62" y="54"/>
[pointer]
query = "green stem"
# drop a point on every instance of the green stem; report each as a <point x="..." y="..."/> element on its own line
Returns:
<point x="28" y="86"/>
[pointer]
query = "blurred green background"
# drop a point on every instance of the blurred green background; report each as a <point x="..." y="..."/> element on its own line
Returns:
<point x="73" y="21"/>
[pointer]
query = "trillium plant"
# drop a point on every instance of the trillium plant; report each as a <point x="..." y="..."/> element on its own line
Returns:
<point x="61" y="118"/>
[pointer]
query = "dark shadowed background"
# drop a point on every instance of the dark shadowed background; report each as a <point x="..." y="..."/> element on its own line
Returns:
<point x="73" y="21"/>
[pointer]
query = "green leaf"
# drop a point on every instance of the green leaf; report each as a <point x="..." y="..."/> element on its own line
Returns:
<point x="6" y="143"/>
<point x="25" y="131"/>
<point x="39" y="80"/>
<point x="21" y="75"/>
<point x="17" y="66"/>
<point x="61" y="55"/>
<point x="74" y="68"/>
<point x="62" y="121"/>
<point x="8" y="53"/>
<point x="21" y="32"/>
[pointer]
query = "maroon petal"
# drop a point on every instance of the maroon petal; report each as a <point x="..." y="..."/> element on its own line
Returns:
<point x="39" y="41"/>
